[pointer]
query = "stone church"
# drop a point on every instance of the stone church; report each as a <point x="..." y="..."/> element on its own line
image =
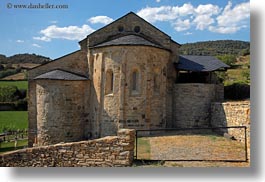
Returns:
<point x="128" y="74"/>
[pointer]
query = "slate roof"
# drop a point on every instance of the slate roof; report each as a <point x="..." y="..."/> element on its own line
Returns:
<point x="60" y="75"/>
<point x="129" y="40"/>
<point x="199" y="63"/>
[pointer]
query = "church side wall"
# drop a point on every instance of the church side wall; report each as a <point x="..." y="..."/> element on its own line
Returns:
<point x="32" y="114"/>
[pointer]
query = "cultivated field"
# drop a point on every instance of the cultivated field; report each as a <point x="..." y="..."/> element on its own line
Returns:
<point x="18" y="84"/>
<point x="13" y="120"/>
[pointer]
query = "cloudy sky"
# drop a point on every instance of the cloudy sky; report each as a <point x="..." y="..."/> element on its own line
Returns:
<point x="54" y="31"/>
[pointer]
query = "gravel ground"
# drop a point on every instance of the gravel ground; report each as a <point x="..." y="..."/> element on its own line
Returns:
<point x="196" y="147"/>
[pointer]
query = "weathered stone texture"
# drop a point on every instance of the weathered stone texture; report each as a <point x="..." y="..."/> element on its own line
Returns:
<point x="112" y="151"/>
<point x="62" y="111"/>
<point x="193" y="104"/>
<point x="128" y="23"/>
<point x="145" y="109"/>
<point x="32" y="114"/>
<point x="232" y="114"/>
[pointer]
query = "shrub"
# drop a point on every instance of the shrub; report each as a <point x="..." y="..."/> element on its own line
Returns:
<point x="7" y="72"/>
<point x="228" y="59"/>
<point x="8" y="94"/>
<point x="246" y="75"/>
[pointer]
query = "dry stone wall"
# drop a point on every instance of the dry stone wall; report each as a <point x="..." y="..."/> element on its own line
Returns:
<point x="232" y="114"/>
<point x="111" y="151"/>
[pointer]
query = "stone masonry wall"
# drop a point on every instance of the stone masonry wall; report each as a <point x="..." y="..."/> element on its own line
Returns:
<point x="145" y="109"/>
<point x="128" y="23"/>
<point x="111" y="151"/>
<point x="193" y="104"/>
<point x="232" y="114"/>
<point x="74" y="62"/>
<point x="62" y="111"/>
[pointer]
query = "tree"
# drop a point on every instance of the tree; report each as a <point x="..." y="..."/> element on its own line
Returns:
<point x="228" y="59"/>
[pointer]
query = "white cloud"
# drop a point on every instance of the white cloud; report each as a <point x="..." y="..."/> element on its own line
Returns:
<point x="184" y="10"/>
<point x="162" y="13"/>
<point x="203" y="21"/>
<point x="207" y="9"/>
<point x="69" y="33"/>
<point x="182" y="25"/>
<point x="36" y="45"/>
<point x="158" y="1"/>
<point x="20" y="41"/>
<point x="100" y="19"/>
<point x="165" y="13"/>
<point x="220" y="19"/>
<point x="232" y="19"/>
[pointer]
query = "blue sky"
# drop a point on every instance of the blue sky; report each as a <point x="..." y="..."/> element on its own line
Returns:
<point x="56" y="32"/>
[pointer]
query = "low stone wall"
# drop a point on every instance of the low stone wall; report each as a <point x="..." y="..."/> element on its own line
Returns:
<point x="232" y="114"/>
<point x="111" y="151"/>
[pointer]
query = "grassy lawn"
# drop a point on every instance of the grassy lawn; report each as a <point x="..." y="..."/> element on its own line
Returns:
<point x="13" y="120"/>
<point x="143" y="148"/>
<point x="19" y="84"/>
<point x="9" y="146"/>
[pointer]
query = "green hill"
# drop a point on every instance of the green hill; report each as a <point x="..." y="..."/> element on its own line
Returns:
<point x="23" y="58"/>
<point x="214" y="48"/>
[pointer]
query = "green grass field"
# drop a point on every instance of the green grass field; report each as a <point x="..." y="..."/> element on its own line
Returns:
<point x="13" y="120"/>
<point x="9" y="146"/>
<point x="19" y="84"/>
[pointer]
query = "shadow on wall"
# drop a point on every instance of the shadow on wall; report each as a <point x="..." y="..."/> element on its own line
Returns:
<point x="218" y="119"/>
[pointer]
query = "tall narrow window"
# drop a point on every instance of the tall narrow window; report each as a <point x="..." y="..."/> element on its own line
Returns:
<point x="156" y="83"/>
<point x="109" y="85"/>
<point x="135" y="82"/>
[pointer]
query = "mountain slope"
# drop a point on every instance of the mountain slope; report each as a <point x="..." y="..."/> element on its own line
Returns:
<point x="214" y="48"/>
<point x="23" y="58"/>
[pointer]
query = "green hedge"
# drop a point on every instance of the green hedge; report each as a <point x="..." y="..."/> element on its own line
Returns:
<point x="8" y="94"/>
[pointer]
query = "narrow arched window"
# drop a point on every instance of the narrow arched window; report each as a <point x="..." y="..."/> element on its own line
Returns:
<point x="156" y="83"/>
<point x="109" y="85"/>
<point x="135" y="84"/>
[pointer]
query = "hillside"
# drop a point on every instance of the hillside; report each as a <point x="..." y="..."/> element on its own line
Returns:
<point x="15" y="67"/>
<point x="214" y="48"/>
<point x="23" y="58"/>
